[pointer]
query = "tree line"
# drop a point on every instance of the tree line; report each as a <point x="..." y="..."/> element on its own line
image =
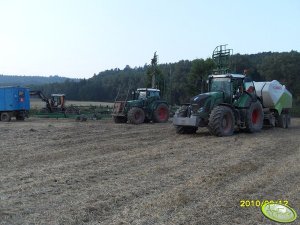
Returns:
<point x="180" y="81"/>
<point x="11" y="80"/>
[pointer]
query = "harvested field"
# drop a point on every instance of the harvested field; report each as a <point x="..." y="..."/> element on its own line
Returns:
<point x="97" y="172"/>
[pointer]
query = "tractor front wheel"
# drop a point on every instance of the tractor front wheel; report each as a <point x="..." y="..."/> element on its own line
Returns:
<point x="136" y="115"/>
<point x="161" y="113"/>
<point x="255" y="117"/>
<point x="221" y="121"/>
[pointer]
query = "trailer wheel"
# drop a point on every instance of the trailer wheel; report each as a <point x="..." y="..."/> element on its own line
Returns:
<point x="186" y="130"/>
<point x="283" y="121"/>
<point x="5" y="117"/>
<point x="221" y="121"/>
<point x="136" y="115"/>
<point x="254" y="117"/>
<point x="288" y="120"/>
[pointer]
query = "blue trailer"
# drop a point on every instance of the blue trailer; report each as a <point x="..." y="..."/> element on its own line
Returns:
<point x="14" y="102"/>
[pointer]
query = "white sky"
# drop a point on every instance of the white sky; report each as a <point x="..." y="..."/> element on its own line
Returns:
<point x="77" y="38"/>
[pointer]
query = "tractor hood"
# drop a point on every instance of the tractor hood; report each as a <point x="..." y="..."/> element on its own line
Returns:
<point x="201" y="99"/>
<point x="202" y="103"/>
<point x="135" y="103"/>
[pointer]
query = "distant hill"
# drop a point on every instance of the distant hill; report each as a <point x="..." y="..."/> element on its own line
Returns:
<point x="12" y="80"/>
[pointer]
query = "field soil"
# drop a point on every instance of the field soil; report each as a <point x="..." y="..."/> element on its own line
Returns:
<point x="97" y="172"/>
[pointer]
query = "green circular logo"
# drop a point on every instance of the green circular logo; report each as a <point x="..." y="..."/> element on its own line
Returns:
<point x="279" y="212"/>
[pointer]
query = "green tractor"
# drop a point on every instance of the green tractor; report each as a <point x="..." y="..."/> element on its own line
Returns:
<point x="144" y="107"/>
<point x="231" y="101"/>
<point x="234" y="100"/>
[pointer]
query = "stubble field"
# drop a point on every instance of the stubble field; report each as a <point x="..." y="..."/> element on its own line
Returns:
<point x="97" y="172"/>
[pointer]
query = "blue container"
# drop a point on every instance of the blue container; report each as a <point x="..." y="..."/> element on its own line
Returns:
<point x="14" y="102"/>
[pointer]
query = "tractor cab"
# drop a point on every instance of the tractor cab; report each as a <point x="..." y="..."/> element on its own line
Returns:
<point x="232" y="86"/>
<point x="58" y="101"/>
<point x="146" y="93"/>
<point x="145" y="106"/>
<point x="231" y="100"/>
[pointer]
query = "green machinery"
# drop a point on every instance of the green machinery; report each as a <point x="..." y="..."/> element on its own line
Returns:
<point x="145" y="106"/>
<point x="234" y="101"/>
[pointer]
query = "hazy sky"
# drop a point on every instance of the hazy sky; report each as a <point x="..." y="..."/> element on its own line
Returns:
<point x="77" y="38"/>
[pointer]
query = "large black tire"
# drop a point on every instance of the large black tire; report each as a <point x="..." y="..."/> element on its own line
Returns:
<point x="254" y="117"/>
<point x="221" y="121"/>
<point x="186" y="130"/>
<point x="136" y="115"/>
<point x="5" y="117"/>
<point x="120" y="119"/>
<point x="284" y="120"/>
<point x="161" y="113"/>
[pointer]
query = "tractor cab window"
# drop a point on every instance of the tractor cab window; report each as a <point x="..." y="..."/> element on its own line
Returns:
<point x="142" y="95"/>
<point x="55" y="101"/>
<point x="58" y="100"/>
<point x="238" y="88"/>
<point x="147" y="94"/>
<point x="221" y="84"/>
<point x="153" y="93"/>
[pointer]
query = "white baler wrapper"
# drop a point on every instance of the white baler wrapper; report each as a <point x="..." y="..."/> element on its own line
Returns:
<point x="273" y="94"/>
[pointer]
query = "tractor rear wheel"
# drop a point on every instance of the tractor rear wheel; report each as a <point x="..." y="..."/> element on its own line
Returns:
<point x="221" y="121"/>
<point x="254" y="117"/>
<point x="186" y="130"/>
<point x="161" y="113"/>
<point x="120" y="119"/>
<point x="5" y="117"/>
<point x="136" y="115"/>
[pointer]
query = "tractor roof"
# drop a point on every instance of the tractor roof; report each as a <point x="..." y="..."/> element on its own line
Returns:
<point x="147" y="89"/>
<point x="57" y="95"/>
<point x="229" y="75"/>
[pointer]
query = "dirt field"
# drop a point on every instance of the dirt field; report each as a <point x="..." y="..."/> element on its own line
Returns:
<point x="97" y="172"/>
